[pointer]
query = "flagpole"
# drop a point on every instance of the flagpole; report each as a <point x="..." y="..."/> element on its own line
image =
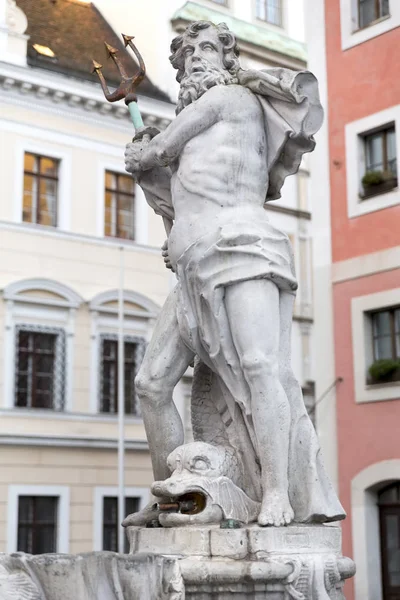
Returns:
<point x="121" y="405"/>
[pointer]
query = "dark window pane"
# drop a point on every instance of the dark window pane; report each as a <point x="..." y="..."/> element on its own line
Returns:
<point x="109" y="377"/>
<point x="393" y="549"/>
<point x="35" y="369"/>
<point x="381" y="322"/>
<point x="44" y="540"/>
<point x="37" y="524"/>
<point x="390" y="495"/>
<point x="24" y="340"/>
<point x="22" y="398"/>
<point x="367" y="12"/>
<point x="111" y="521"/>
<point x="24" y="541"/>
<point x="25" y="509"/>
<point x="374" y="145"/>
<point x="383" y="347"/>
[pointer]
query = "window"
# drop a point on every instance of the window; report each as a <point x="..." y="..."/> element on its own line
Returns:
<point x="389" y="517"/>
<point x="37" y="524"/>
<point x="223" y="2"/>
<point x="380" y="162"/>
<point x="111" y="521"/>
<point x="380" y="151"/>
<point x="40" y="189"/>
<point x="119" y="206"/>
<point x="270" y="11"/>
<point x="39" y="371"/>
<point x="133" y="350"/>
<point x="371" y="10"/>
<point x="386" y="333"/>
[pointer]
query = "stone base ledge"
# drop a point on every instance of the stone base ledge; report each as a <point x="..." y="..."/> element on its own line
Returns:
<point x="299" y="562"/>
<point x="252" y="542"/>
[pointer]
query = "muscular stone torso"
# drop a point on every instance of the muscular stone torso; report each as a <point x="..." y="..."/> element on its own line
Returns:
<point x="221" y="174"/>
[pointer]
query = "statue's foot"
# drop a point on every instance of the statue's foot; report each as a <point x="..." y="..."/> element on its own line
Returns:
<point x="139" y="519"/>
<point x="275" y="510"/>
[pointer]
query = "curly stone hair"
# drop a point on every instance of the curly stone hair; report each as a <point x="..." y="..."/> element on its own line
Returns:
<point x="230" y="47"/>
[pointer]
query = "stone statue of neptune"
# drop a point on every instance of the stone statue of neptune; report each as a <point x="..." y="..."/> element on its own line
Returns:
<point x="236" y="137"/>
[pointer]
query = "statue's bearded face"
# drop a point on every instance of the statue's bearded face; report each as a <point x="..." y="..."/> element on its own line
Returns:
<point x="204" y="66"/>
<point x="203" y="53"/>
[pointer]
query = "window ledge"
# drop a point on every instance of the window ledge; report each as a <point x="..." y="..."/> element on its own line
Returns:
<point x="382" y="385"/>
<point x="379" y="392"/>
<point x="379" y="190"/>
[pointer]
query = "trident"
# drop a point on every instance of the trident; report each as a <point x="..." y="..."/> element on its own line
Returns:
<point x="127" y="88"/>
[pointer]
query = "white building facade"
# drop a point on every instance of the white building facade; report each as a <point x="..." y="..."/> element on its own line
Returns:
<point x="69" y="215"/>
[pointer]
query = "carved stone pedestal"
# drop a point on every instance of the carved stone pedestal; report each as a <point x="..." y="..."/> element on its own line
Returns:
<point x="300" y="562"/>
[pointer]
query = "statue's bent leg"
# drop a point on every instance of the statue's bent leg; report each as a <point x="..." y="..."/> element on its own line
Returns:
<point x="254" y="317"/>
<point x="164" y="363"/>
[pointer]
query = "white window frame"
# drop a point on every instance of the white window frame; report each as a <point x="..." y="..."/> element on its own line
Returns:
<point x="99" y="494"/>
<point x="355" y="162"/>
<point x="352" y="35"/>
<point x="104" y="320"/>
<point x="365" y="526"/>
<point x="141" y="215"/>
<point x="63" y="494"/>
<point x="64" y="187"/>
<point x="362" y="345"/>
<point x="21" y="310"/>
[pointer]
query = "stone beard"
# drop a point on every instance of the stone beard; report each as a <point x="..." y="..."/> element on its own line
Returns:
<point x="198" y="82"/>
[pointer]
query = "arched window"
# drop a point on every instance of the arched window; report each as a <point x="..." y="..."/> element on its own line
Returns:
<point x="39" y="344"/>
<point x="139" y="315"/>
<point x="389" y="516"/>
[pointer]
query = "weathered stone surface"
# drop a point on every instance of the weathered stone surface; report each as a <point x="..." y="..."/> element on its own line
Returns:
<point x="302" y="561"/>
<point x="170" y="541"/>
<point x="91" y="576"/>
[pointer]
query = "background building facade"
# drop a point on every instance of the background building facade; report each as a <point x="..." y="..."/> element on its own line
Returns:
<point x="69" y="215"/>
<point x="354" y="185"/>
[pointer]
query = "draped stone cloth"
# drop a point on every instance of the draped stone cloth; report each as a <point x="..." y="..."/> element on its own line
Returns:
<point x="292" y="114"/>
<point x="246" y="250"/>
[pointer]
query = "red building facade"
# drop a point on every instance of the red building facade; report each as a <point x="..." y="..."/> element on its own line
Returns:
<point x="357" y="59"/>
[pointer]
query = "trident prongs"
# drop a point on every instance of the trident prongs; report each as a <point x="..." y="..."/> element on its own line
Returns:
<point x="128" y="42"/>
<point x="128" y="85"/>
<point x="113" y="54"/>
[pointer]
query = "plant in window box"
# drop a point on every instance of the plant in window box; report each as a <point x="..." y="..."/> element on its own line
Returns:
<point x="378" y="182"/>
<point x="384" y="370"/>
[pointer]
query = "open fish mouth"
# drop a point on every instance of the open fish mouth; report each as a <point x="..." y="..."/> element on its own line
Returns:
<point x="192" y="502"/>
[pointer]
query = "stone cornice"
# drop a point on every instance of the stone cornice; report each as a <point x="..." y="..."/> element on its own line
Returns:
<point x="74" y="94"/>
